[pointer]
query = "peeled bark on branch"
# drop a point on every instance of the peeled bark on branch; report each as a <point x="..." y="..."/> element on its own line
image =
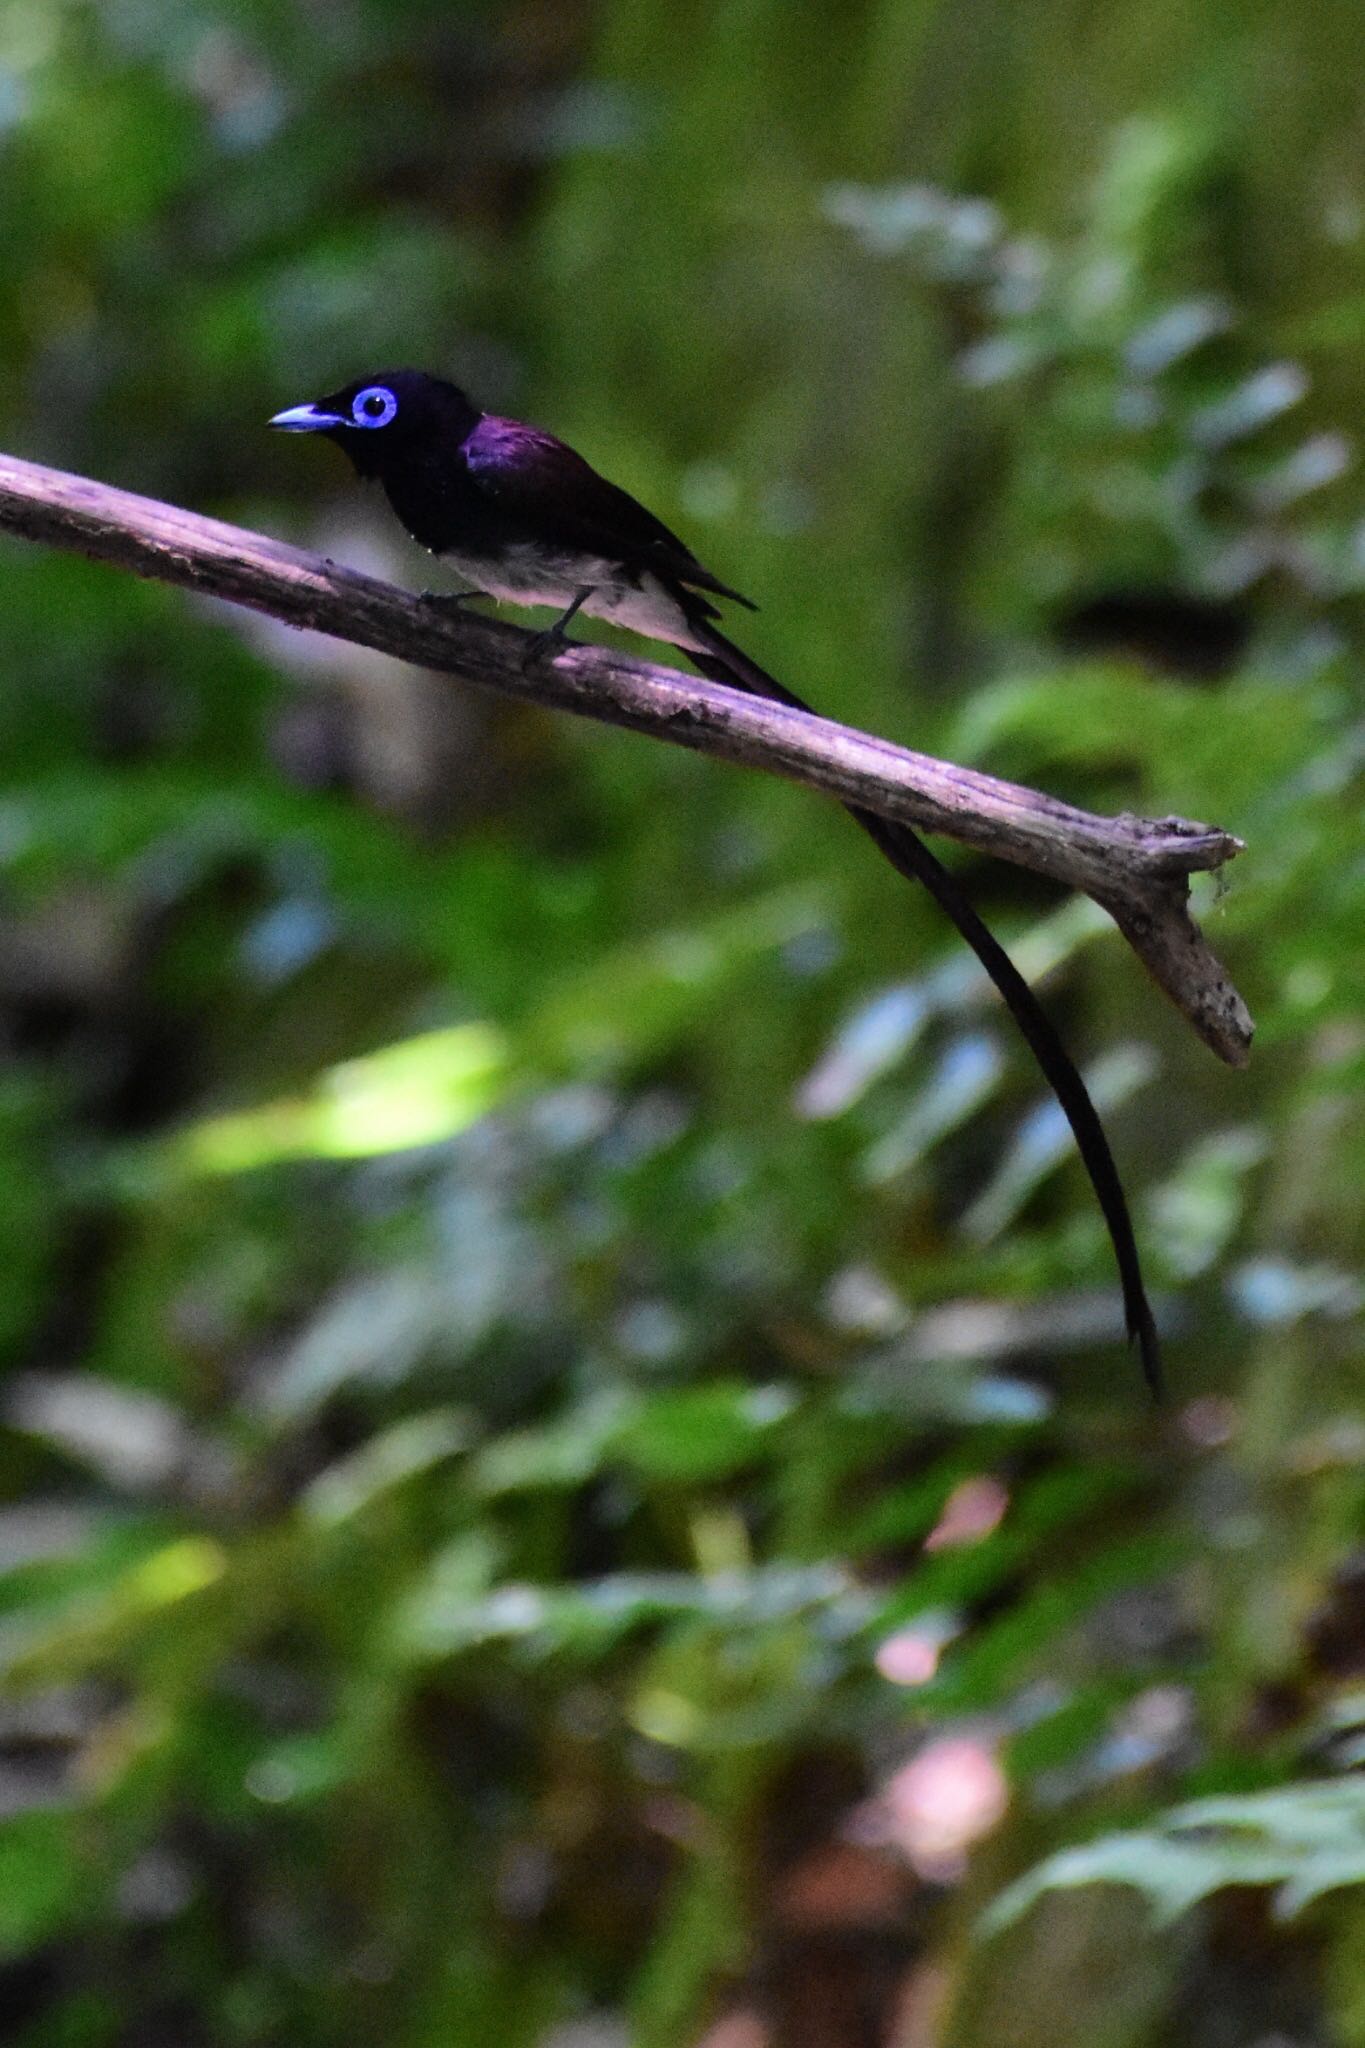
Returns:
<point x="1136" y="868"/>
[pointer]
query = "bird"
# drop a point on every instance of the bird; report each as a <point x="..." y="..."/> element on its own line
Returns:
<point x="525" y="520"/>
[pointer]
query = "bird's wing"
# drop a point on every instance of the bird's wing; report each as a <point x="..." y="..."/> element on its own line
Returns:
<point x="552" y="490"/>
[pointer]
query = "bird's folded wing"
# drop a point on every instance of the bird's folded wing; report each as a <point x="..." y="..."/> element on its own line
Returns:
<point x="554" y="493"/>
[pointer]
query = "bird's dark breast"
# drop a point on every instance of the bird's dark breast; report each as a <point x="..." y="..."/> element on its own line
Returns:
<point x="444" y="510"/>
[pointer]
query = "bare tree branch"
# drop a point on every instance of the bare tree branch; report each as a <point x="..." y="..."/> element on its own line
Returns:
<point x="1136" y="868"/>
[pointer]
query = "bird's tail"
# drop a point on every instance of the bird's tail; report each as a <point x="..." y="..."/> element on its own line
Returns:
<point x="719" y="659"/>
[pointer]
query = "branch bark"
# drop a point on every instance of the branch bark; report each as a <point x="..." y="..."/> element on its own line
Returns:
<point x="1136" y="868"/>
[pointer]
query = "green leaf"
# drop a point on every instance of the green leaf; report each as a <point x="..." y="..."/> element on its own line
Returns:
<point x="703" y="1433"/>
<point x="1301" y="1841"/>
<point x="446" y="1618"/>
<point x="386" y="1462"/>
<point x="44" y="1880"/>
<point x="420" y="1092"/>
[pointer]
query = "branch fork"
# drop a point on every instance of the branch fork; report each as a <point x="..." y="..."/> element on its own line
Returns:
<point x="1137" y="869"/>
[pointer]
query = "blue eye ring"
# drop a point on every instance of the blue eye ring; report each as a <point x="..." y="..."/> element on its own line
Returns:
<point x="375" y="406"/>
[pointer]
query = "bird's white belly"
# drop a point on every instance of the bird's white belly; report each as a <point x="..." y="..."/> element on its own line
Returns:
<point x="523" y="576"/>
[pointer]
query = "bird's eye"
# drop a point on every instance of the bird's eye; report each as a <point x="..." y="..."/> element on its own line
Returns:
<point x="375" y="406"/>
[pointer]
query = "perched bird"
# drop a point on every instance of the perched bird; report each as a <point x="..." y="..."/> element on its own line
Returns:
<point x="524" y="520"/>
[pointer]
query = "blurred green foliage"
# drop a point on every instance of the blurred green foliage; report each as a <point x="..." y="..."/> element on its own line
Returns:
<point x="549" y="1322"/>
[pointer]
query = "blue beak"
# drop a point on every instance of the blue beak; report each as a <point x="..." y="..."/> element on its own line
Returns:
<point x="307" y="419"/>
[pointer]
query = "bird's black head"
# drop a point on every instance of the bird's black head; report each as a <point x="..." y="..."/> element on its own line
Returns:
<point x="382" y="420"/>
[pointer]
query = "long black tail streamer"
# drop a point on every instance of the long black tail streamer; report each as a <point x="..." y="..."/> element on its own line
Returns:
<point x="908" y="854"/>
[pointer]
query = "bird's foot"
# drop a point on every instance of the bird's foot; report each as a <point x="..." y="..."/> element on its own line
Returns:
<point x="555" y="639"/>
<point x="450" y="601"/>
<point x="547" y="645"/>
